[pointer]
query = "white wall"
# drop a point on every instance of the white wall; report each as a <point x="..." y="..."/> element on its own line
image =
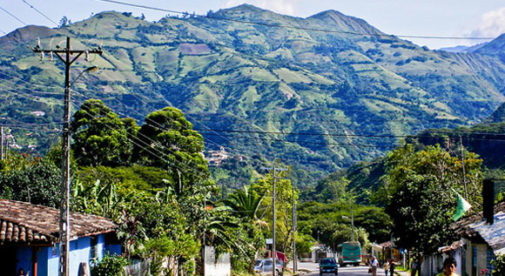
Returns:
<point x="219" y="267"/>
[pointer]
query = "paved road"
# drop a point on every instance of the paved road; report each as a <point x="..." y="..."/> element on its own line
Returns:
<point x="351" y="271"/>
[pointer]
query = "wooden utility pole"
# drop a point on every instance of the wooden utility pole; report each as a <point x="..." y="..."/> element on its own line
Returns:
<point x="1" y="143"/>
<point x="68" y="57"/>
<point x="463" y="165"/>
<point x="293" y="230"/>
<point x="274" y="252"/>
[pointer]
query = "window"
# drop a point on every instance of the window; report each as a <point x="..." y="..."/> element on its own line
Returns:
<point x="94" y="247"/>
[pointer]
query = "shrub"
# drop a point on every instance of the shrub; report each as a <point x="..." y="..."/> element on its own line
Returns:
<point x="110" y="265"/>
<point x="499" y="264"/>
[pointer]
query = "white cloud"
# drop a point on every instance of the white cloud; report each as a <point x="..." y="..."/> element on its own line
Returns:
<point x="492" y="24"/>
<point x="279" y="6"/>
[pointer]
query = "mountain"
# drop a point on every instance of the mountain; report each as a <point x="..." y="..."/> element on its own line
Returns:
<point x="463" y="49"/>
<point x="318" y="93"/>
<point x="493" y="48"/>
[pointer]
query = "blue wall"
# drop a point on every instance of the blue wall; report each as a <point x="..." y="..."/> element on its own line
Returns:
<point x="48" y="257"/>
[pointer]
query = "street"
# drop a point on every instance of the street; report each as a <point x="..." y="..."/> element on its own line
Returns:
<point x="350" y="271"/>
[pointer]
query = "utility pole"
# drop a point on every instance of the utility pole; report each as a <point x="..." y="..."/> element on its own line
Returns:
<point x="6" y="147"/>
<point x="1" y="143"/>
<point x="293" y="230"/>
<point x="463" y="165"/>
<point x="68" y="57"/>
<point x="274" y="252"/>
<point x="352" y="224"/>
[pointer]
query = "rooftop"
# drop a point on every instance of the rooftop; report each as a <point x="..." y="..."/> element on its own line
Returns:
<point x="23" y="222"/>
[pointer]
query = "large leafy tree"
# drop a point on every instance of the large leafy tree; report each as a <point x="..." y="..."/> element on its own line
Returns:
<point x="422" y="197"/>
<point x="330" y="222"/>
<point x="30" y="179"/>
<point x="167" y="140"/>
<point x="100" y="136"/>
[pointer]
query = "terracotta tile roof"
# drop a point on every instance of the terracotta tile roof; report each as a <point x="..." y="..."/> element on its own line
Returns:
<point x="23" y="222"/>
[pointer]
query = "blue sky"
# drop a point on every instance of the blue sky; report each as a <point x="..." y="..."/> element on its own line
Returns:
<point x="460" y="18"/>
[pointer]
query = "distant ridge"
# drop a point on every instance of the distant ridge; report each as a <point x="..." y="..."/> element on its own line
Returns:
<point x="318" y="100"/>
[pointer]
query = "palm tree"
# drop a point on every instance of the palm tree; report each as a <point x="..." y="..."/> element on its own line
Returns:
<point x="245" y="203"/>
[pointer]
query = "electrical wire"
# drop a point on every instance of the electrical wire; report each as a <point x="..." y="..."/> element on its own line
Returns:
<point x="144" y="146"/>
<point x="41" y="13"/>
<point x="292" y="27"/>
<point x="12" y="15"/>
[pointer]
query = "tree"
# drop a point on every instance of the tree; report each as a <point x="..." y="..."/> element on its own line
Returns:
<point x="63" y="22"/>
<point x="421" y="194"/>
<point x="245" y="203"/>
<point x="283" y="208"/>
<point x="167" y="140"/>
<point x="31" y="180"/>
<point x="100" y="137"/>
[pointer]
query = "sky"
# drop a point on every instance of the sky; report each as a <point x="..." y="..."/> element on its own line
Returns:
<point x="441" y="18"/>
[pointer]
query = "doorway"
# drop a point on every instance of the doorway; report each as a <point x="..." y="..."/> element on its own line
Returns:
<point x="8" y="260"/>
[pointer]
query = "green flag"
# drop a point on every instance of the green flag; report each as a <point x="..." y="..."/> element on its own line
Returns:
<point x="462" y="207"/>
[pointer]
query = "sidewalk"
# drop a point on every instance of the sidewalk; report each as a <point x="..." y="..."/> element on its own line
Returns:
<point x="402" y="273"/>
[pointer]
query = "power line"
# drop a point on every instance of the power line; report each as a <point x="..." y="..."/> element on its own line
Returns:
<point x="354" y="135"/>
<point x="15" y="17"/>
<point x="142" y="6"/>
<point x="31" y="6"/>
<point x="293" y="27"/>
<point x="145" y="146"/>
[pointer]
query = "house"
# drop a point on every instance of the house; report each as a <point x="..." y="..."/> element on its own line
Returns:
<point x="29" y="239"/>
<point x="38" y="113"/>
<point x="390" y="252"/>
<point x="479" y="244"/>
<point x="481" y="241"/>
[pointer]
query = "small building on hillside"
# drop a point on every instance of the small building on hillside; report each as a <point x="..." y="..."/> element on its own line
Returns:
<point x="29" y="239"/>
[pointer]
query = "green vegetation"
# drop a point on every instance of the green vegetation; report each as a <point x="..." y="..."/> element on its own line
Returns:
<point x="109" y="265"/>
<point x="158" y="190"/>
<point x="331" y="222"/>
<point x="421" y="191"/>
<point x="225" y="75"/>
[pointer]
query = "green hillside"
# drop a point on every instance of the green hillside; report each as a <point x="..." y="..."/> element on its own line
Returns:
<point x="487" y="139"/>
<point x="319" y="93"/>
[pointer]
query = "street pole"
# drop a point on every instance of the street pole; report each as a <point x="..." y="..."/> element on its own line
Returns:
<point x="274" y="252"/>
<point x="66" y="56"/>
<point x="1" y="143"/>
<point x="463" y="165"/>
<point x="203" y="237"/>
<point x="293" y="225"/>
<point x="352" y="224"/>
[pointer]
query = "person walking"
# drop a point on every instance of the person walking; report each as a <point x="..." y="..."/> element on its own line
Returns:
<point x="386" y="268"/>
<point x="373" y="266"/>
<point x="449" y="268"/>
<point x="414" y="268"/>
<point x="391" y="267"/>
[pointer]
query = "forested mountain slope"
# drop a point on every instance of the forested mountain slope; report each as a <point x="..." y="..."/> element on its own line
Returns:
<point x="319" y="93"/>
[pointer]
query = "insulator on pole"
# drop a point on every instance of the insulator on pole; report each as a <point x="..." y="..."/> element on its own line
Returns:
<point x="51" y="56"/>
<point x="38" y="42"/>
<point x="86" y="54"/>
<point x="41" y="55"/>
